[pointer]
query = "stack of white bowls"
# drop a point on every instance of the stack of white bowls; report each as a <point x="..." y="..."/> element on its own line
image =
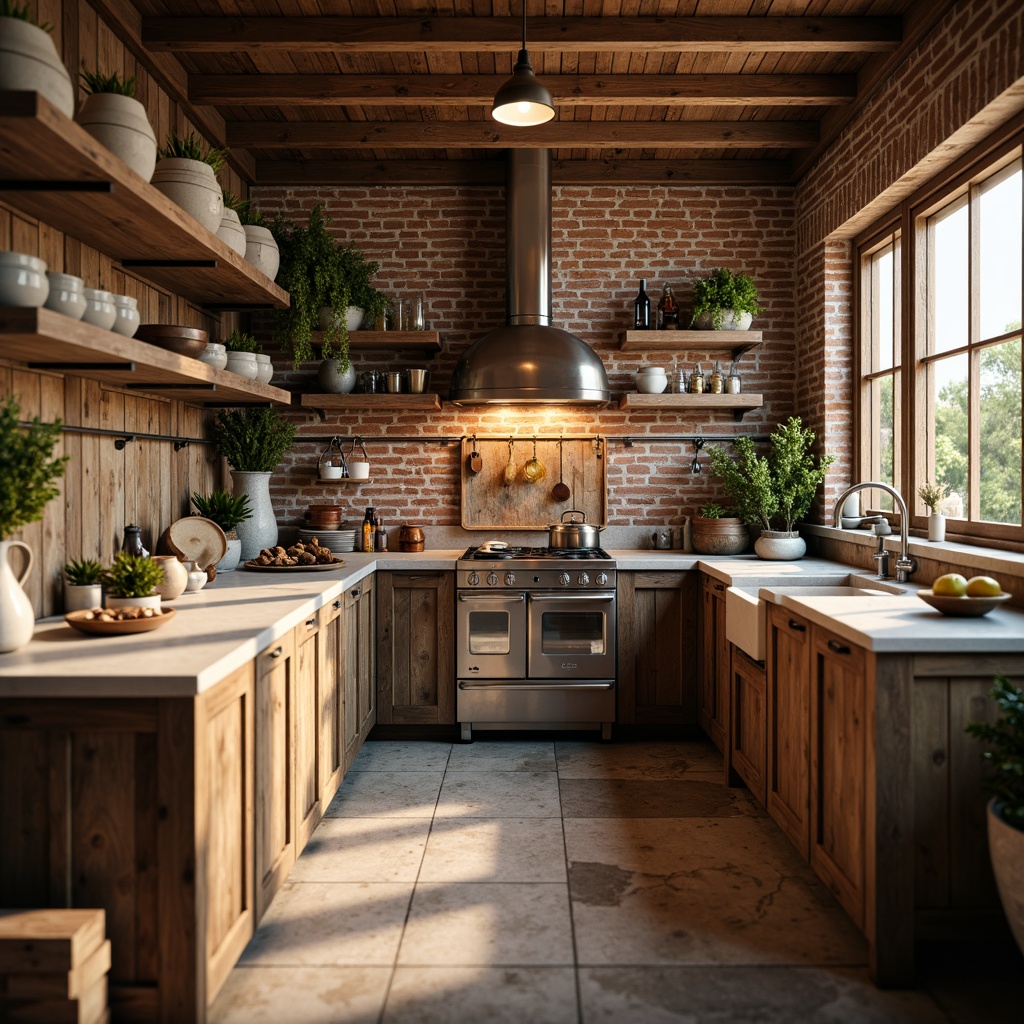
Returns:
<point x="651" y="380"/>
<point x="335" y="540"/>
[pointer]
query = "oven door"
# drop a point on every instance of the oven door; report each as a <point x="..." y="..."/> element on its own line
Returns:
<point x="572" y="636"/>
<point x="491" y="635"/>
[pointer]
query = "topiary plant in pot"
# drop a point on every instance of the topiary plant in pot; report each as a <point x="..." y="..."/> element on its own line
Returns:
<point x="724" y="301"/>
<point x="83" y="585"/>
<point x="114" y="118"/>
<point x="29" y="60"/>
<point x="227" y="511"/>
<point x="131" y="581"/>
<point x="187" y="174"/>
<point x="1004" y="759"/>
<point x="718" y="531"/>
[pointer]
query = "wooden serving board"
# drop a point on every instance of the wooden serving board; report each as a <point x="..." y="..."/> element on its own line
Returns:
<point x="489" y="504"/>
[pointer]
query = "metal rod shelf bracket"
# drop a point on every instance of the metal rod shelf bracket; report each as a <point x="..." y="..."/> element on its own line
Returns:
<point x="208" y="264"/>
<point x="178" y="445"/>
<point x="48" y="185"/>
<point x="120" y="442"/>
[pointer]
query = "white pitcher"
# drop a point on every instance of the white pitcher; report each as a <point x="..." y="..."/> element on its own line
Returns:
<point x="17" y="618"/>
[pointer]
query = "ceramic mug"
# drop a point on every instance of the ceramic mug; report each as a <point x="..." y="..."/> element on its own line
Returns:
<point x="358" y="470"/>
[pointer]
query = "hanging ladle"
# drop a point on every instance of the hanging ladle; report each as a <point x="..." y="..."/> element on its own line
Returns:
<point x="510" y="466"/>
<point x="560" y="492"/>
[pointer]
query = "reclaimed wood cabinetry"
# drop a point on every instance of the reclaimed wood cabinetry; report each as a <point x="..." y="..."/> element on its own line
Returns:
<point x="657" y="648"/>
<point x="416" y="648"/>
<point x="331" y="700"/>
<point x="747" y="721"/>
<point x="308" y="684"/>
<point x="358" y="660"/>
<point x="713" y="714"/>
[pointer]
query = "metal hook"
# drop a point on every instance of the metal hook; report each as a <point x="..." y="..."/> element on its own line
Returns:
<point x="698" y="443"/>
<point x="120" y="442"/>
<point x="178" y="445"/>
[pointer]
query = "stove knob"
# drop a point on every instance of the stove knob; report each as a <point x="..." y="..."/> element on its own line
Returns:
<point x="510" y="579"/>
<point x="563" y="578"/>
<point x="492" y="579"/>
<point x="602" y="579"/>
<point x="583" y="579"/>
<point x="473" y="579"/>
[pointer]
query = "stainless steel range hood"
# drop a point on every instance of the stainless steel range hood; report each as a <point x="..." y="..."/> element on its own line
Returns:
<point x="528" y="361"/>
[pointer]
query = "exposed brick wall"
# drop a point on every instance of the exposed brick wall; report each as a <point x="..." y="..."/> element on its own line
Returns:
<point x="448" y="243"/>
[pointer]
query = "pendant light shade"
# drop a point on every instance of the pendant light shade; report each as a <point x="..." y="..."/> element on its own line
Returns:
<point x="523" y="101"/>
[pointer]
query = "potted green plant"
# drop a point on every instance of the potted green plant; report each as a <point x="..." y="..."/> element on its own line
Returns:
<point x="253" y="440"/>
<point x="187" y="174"/>
<point x="231" y="232"/>
<point x="241" y="354"/>
<point x="83" y="585"/>
<point x="116" y="119"/>
<point x="718" y="531"/>
<point x="930" y="495"/>
<point x="29" y="60"/>
<point x="724" y="301"/>
<point x="227" y="511"/>
<point x="28" y="470"/>
<point x="774" y="492"/>
<point x="131" y="581"/>
<point x="1004" y="759"/>
<point x="329" y="285"/>
<point x="261" y="248"/>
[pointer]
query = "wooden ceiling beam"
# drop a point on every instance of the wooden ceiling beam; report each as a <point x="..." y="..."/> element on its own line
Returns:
<point x="479" y="90"/>
<point x="492" y="172"/>
<point x="345" y="135"/>
<point x="699" y="34"/>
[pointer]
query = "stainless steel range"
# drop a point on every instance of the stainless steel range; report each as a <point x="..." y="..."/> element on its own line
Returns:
<point x="535" y="639"/>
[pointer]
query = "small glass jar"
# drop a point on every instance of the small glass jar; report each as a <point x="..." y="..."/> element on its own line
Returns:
<point x="697" y="382"/>
<point x="682" y="384"/>
<point x="732" y="384"/>
<point x="419" y="318"/>
<point x="716" y="382"/>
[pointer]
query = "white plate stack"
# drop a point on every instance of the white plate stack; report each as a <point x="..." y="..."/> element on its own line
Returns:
<point x="334" y="540"/>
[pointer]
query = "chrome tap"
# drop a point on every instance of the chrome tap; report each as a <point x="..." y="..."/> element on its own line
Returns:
<point x="905" y="565"/>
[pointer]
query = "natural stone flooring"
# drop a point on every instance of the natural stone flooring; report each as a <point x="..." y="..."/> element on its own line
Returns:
<point x="571" y="882"/>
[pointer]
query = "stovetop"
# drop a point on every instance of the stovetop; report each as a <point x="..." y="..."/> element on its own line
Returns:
<point x="536" y="569"/>
<point x="507" y="554"/>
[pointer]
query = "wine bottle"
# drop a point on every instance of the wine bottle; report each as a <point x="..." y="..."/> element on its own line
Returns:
<point x="642" y="308"/>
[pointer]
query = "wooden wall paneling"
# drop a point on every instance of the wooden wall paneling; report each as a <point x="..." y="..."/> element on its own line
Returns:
<point x="51" y="553"/>
<point x="931" y="792"/>
<point x="132" y="465"/>
<point x="73" y="490"/>
<point x="58" y="815"/>
<point x="5" y="228"/>
<point x="94" y="543"/>
<point x="26" y="387"/>
<point x="147" y="860"/>
<point x="88" y="38"/>
<point x="51" y="247"/>
<point x="25" y="809"/>
<point x="111" y="513"/>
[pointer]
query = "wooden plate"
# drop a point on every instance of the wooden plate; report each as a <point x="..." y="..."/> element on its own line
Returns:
<point x="197" y="540"/>
<point x="256" y="567"/>
<point x="962" y="606"/>
<point x="77" y="620"/>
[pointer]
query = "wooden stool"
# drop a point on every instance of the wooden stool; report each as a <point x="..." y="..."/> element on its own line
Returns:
<point x="53" y="966"/>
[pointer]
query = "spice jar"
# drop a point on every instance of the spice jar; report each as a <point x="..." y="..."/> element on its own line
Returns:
<point x="716" y="383"/>
<point x="697" y="381"/>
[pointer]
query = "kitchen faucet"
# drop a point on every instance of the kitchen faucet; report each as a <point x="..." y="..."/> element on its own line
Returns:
<point x="905" y="565"/>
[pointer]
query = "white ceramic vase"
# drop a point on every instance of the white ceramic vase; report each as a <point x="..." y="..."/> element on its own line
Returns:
<point x="264" y="368"/>
<point x="120" y="123"/>
<point x="333" y="382"/>
<point x="260" y="531"/>
<point x="29" y="63"/>
<point x="232" y="556"/>
<point x="231" y="232"/>
<point x="1006" y="847"/>
<point x="17" y="618"/>
<point x="780" y="546"/>
<point x="82" y="597"/>
<point x="937" y="527"/>
<point x="193" y="186"/>
<point x="261" y="250"/>
<point x="175" y="577"/>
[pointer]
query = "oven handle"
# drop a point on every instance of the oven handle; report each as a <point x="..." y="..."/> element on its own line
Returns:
<point x="505" y="598"/>
<point x="558" y="685"/>
<point x="591" y="595"/>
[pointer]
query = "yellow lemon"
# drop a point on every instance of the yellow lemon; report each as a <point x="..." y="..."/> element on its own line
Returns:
<point x="950" y="585"/>
<point x="983" y="586"/>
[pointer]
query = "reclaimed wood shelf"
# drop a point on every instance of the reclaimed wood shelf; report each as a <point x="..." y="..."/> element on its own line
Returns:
<point x="382" y="401"/>
<point x="736" y="404"/>
<point x="47" y="340"/>
<point x="426" y="342"/>
<point x="735" y="342"/>
<point x="51" y="168"/>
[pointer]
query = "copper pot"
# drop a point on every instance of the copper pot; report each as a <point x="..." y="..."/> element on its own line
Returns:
<point x="410" y="538"/>
<point x="324" y="517"/>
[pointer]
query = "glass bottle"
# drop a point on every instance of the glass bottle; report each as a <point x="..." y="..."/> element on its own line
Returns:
<point x="132" y="542"/>
<point x="697" y="381"/>
<point x="419" y="317"/>
<point x="367" y="544"/>
<point x="642" y="308"/>
<point x="717" y="382"/>
<point x="380" y="536"/>
<point x="668" y="311"/>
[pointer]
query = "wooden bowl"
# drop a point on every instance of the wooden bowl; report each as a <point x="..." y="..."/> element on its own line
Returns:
<point x="77" y="620"/>
<point x="184" y="341"/>
<point x="962" y="606"/>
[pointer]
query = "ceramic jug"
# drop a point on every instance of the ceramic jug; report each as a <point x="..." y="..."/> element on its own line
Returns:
<point x="17" y="619"/>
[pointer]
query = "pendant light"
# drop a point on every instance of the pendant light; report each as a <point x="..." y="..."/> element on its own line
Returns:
<point x="523" y="101"/>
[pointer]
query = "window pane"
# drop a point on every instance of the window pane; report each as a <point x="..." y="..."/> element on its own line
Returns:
<point x="881" y="310"/>
<point x="999" y="439"/>
<point x="949" y="280"/>
<point x="1000" y="213"/>
<point x="947" y="433"/>
<point x="881" y="441"/>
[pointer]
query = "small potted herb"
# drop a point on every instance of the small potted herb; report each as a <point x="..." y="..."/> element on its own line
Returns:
<point x="241" y="354"/>
<point x="131" y="582"/>
<point x="30" y="62"/>
<point x="718" y="531"/>
<point x="261" y="248"/>
<point x="115" y="119"/>
<point x="227" y="511"/>
<point x="187" y="174"/>
<point x="83" y="585"/>
<point x="231" y="232"/>
<point x="931" y="494"/>
<point x="724" y="301"/>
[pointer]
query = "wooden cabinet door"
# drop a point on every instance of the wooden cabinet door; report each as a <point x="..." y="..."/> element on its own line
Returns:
<point x="416" y="648"/>
<point x="788" y="713"/>
<point x="713" y="715"/>
<point x="657" y="648"/>
<point x="358" y="660"/>
<point x="367" y="658"/>
<point x="307" y="733"/>
<point x="838" y="769"/>
<point x="748" y="724"/>
<point x="331" y="690"/>
<point x="275" y="784"/>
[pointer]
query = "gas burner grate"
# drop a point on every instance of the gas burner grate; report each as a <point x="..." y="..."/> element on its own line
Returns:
<point x="508" y="554"/>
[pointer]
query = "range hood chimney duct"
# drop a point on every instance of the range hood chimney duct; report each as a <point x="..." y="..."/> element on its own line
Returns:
<point x="528" y="361"/>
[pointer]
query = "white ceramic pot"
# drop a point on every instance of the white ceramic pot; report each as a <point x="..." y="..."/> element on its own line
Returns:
<point x="937" y="527"/>
<point x="120" y="123"/>
<point x="193" y="186"/>
<point x="780" y="546"/>
<point x="232" y="556"/>
<point x="261" y="250"/>
<point x="127" y="309"/>
<point x="80" y="598"/>
<point x="99" y="308"/>
<point x="175" y="577"/>
<point x="1006" y="848"/>
<point x="29" y="63"/>
<point x="731" y="321"/>
<point x="67" y="294"/>
<point x="260" y="531"/>
<point x="215" y="355"/>
<point x="333" y="382"/>
<point x="197" y="578"/>
<point x="359" y="470"/>
<point x="17" y="619"/>
<point x="264" y="368"/>
<point x="230" y="231"/>
<point x="243" y="363"/>
<point x="23" y="280"/>
<point x="651" y="380"/>
<point x="353" y="318"/>
<point x="153" y="601"/>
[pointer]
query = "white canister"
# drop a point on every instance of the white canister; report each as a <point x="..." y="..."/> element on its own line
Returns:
<point x="215" y="355"/>
<point x="99" y="308"/>
<point x="264" y="368"/>
<point x="243" y="363"/>
<point x="127" y="308"/>
<point x="67" y="294"/>
<point x="651" y="380"/>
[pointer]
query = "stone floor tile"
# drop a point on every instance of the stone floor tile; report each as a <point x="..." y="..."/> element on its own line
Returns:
<point x="484" y="755"/>
<point x="683" y="760"/>
<point x="301" y="995"/>
<point x="499" y="795"/>
<point x="495" y="850"/>
<point x="655" y="798"/>
<point x="745" y="995"/>
<point x="486" y="924"/>
<point x="693" y="891"/>
<point x="482" y="995"/>
<point x="401" y="756"/>
<point x="386" y="795"/>
<point x="340" y="923"/>
<point x="364" y="850"/>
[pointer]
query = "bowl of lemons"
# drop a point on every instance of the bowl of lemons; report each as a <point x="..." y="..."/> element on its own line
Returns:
<point x="953" y="594"/>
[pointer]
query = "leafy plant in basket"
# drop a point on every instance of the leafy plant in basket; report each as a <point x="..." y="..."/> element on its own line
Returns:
<point x="253" y="440"/>
<point x="723" y="291"/>
<point x="320" y="273"/>
<point x="132" y="576"/>
<point x="84" y="573"/>
<point x="226" y="510"/>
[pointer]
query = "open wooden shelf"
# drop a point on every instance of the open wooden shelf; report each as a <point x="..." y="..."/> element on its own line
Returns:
<point x="126" y="218"/>
<point x="51" y="341"/>
<point x="736" y="404"/>
<point x="382" y="401"/>
<point x="427" y="342"/>
<point x="734" y="342"/>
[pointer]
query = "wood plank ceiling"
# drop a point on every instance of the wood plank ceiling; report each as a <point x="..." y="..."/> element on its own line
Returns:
<point x="399" y="91"/>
